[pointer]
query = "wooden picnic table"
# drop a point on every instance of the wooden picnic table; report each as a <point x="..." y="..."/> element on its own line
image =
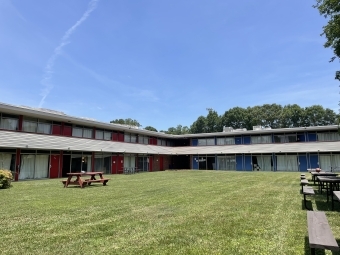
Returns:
<point x="82" y="182"/>
<point x="330" y="182"/>
<point x="316" y="174"/>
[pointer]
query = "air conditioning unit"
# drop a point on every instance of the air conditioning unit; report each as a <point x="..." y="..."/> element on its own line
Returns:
<point x="257" y="127"/>
<point x="228" y="129"/>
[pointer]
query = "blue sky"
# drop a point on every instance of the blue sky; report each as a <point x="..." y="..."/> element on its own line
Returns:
<point x="163" y="62"/>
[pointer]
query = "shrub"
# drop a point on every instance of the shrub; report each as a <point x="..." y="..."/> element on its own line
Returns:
<point x="5" y="179"/>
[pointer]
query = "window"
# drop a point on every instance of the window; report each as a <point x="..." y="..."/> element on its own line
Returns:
<point x="331" y="136"/>
<point x="130" y="138"/>
<point x="211" y="141"/>
<point x="99" y="134"/>
<point x="261" y="139"/>
<point x="78" y="131"/>
<point x="143" y="139"/>
<point x="107" y="135"/>
<point x="9" y="122"/>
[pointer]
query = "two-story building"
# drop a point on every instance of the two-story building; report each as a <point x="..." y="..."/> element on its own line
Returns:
<point x="40" y="143"/>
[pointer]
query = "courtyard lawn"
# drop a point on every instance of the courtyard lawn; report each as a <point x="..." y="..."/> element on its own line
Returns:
<point x="170" y="212"/>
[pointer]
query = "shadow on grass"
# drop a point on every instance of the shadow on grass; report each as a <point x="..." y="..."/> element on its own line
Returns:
<point x="309" y="205"/>
<point x="322" y="204"/>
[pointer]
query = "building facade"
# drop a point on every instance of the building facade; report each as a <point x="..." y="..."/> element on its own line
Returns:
<point x="41" y="143"/>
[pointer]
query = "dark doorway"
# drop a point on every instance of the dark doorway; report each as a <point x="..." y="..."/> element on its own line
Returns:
<point x="181" y="162"/>
<point x="211" y="163"/>
<point x="66" y="165"/>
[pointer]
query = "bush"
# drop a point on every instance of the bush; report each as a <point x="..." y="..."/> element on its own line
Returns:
<point x="5" y="179"/>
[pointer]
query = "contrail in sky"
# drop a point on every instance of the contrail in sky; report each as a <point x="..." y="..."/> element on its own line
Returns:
<point x="46" y="80"/>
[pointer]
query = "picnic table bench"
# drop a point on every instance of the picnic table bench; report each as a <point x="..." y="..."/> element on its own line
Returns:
<point x="307" y="190"/>
<point x="319" y="232"/>
<point x="303" y="182"/>
<point x="104" y="181"/>
<point x="79" y="181"/>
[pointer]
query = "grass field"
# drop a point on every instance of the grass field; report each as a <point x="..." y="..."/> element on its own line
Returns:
<point x="171" y="212"/>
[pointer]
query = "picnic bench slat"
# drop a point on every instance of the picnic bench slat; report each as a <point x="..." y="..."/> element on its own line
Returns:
<point x="319" y="232"/>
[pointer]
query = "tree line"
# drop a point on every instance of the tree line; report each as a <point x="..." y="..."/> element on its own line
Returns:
<point x="267" y="115"/>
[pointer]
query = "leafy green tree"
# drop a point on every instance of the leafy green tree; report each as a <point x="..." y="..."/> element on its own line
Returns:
<point x="213" y="122"/>
<point x="292" y="116"/>
<point x="128" y="121"/>
<point x="150" y="128"/>
<point x="199" y="126"/>
<point x="316" y="115"/>
<point x="255" y="117"/>
<point x="330" y="9"/>
<point x="179" y="130"/>
<point x="271" y="113"/>
<point x="235" y="117"/>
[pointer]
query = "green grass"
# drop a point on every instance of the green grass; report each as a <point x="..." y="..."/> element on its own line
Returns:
<point x="171" y="212"/>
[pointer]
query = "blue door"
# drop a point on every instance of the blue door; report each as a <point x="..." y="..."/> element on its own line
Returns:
<point x="238" y="140"/>
<point x="311" y="138"/>
<point x="195" y="163"/>
<point x="301" y="137"/>
<point x="247" y="163"/>
<point x="314" y="160"/>
<point x="239" y="162"/>
<point x="194" y="142"/>
<point x="246" y="140"/>
<point x="303" y="163"/>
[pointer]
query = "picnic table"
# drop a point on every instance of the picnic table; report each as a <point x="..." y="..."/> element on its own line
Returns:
<point x="331" y="183"/>
<point x="82" y="182"/>
<point x="316" y="174"/>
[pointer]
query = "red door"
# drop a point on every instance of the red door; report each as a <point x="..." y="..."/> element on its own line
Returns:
<point x="114" y="164"/>
<point x="120" y="164"/>
<point x="150" y="164"/>
<point x="54" y="166"/>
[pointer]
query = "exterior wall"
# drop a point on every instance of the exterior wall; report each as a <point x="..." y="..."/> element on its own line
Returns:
<point x="166" y="162"/>
<point x="156" y="163"/>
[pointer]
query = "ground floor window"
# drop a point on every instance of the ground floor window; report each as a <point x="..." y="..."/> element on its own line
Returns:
<point x="262" y="162"/>
<point x="287" y="163"/>
<point x="102" y="163"/>
<point x="143" y="163"/>
<point x="34" y="166"/>
<point x="226" y="163"/>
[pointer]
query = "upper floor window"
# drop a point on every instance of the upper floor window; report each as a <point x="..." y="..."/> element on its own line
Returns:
<point x="36" y="125"/>
<point x="261" y="139"/>
<point x="161" y="142"/>
<point x="285" y="138"/>
<point x="206" y="141"/>
<point x="130" y="138"/>
<point x="143" y="139"/>
<point x="331" y="136"/>
<point x="9" y="122"/>
<point x="78" y="131"/>
<point x="103" y="135"/>
<point x="225" y="140"/>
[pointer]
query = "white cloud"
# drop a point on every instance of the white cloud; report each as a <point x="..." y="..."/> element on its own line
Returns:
<point x="46" y="80"/>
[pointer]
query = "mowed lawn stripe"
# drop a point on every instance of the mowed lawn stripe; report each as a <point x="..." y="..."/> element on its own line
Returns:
<point x="171" y="212"/>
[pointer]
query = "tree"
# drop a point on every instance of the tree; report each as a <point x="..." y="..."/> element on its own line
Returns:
<point x="199" y="126"/>
<point x="150" y="128"/>
<point x="292" y="116"/>
<point x="179" y="130"/>
<point x="235" y="118"/>
<point x="128" y="121"/>
<point x="331" y="9"/>
<point x="213" y="121"/>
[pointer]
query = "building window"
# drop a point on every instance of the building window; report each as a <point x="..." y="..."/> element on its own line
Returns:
<point x="78" y="131"/>
<point x="9" y="122"/>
